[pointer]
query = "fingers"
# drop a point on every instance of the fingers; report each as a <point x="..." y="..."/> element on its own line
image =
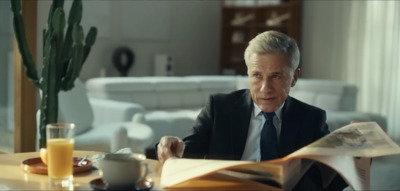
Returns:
<point x="170" y="147"/>
<point x="163" y="149"/>
<point x="180" y="147"/>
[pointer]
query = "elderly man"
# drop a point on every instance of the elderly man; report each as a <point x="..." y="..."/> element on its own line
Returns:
<point x="259" y="124"/>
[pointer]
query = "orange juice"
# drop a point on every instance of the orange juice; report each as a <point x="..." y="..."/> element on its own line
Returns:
<point x="60" y="161"/>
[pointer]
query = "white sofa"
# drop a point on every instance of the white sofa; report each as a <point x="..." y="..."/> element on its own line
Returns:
<point x="338" y="99"/>
<point x="173" y="103"/>
<point x="102" y="124"/>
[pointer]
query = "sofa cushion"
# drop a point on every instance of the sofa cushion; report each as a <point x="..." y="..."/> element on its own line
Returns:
<point x="171" y="92"/>
<point x="213" y="84"/>
<point x="133" y="89"/>
<point x="162" y="126"/>
<point x="74" y="107"/>
<point x="192" y="100"/>
<point x="326" y="94"/>
<point x="242" y="82"/>
<point x="119" y="84"/>
<point x="171" y="123"/>
<point x="336" y="119"/>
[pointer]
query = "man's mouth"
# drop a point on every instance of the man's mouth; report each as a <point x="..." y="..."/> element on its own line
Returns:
<point x="267" y="99"/>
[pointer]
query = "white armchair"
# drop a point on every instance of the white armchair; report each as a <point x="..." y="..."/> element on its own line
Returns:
<point x="103" y="125"/>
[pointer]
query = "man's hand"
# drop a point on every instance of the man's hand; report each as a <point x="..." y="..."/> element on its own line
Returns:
<point x="170" y="147"/>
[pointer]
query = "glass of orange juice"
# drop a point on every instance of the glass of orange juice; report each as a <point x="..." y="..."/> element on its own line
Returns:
<point x="60" y="145"/>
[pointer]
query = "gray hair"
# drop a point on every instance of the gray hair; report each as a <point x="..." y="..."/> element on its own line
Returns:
<point x="274" y="42"/>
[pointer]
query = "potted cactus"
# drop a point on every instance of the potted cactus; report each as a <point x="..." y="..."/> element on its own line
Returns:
<point x="64" y="56"/>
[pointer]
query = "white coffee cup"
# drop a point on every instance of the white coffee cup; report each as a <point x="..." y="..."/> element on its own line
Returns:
<point x="123" y="169"/>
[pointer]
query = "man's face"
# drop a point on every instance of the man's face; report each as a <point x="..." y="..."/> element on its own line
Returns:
<point x="271" y="78"/>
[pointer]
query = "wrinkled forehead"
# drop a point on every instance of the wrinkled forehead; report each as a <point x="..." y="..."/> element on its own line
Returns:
<point x="286" y="61"/>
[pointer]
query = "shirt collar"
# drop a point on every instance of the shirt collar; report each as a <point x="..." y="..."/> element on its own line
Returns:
<point x="278" y="112"/>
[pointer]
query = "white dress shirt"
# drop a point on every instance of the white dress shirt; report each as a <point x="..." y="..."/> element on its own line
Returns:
<point x="252" y="149"/>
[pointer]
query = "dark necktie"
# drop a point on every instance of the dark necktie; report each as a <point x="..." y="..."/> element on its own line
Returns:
<point x="268" y="139"/>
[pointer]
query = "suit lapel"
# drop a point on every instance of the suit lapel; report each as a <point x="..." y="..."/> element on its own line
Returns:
<point x="240" y="120"/>
<point x="289" y="130"/>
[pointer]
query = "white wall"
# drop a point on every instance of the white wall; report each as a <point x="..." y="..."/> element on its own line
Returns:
<point x="6" y="46"/>
<point x="6" y="73"/>
<point x="195" y="39"/>
<point x="193" y="42"/>
<point x="320" y="24"/>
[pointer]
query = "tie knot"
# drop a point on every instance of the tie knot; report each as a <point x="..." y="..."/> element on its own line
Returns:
<point x="268" y="115"/>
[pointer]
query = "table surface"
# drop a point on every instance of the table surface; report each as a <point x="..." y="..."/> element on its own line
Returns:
<point x="13" y="177"/>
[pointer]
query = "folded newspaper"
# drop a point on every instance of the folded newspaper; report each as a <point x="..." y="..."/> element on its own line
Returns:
<point x="346" y="151"/>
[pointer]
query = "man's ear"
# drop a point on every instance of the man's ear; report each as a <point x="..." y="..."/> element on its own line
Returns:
<point x="295" y="76"/>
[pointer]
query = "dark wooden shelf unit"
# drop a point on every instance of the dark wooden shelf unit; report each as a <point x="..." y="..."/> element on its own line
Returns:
<point x="234" y="38"/>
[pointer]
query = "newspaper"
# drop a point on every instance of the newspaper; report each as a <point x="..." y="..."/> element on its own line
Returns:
<point x="346" y="151"/>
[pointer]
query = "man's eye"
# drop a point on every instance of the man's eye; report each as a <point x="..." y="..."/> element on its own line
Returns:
<point x="257" y="75"/>
<point x="276" y="76"/>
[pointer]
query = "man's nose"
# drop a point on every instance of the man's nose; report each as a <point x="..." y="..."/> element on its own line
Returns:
<point x="265" y="86"/>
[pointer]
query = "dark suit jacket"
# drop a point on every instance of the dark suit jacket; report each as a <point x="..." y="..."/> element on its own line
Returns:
<point x="221" y="129"/>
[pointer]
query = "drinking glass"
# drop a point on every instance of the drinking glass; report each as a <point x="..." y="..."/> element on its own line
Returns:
<point x="60" y="146"/>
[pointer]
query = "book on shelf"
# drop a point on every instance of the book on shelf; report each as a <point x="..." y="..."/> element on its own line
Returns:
<point x="346" y="151"/>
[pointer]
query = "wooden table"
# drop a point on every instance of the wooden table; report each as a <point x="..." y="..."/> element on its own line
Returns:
<point x="13" y="177"/>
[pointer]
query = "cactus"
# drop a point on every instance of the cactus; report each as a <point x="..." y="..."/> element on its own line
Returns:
<point x="64" y="56"/>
